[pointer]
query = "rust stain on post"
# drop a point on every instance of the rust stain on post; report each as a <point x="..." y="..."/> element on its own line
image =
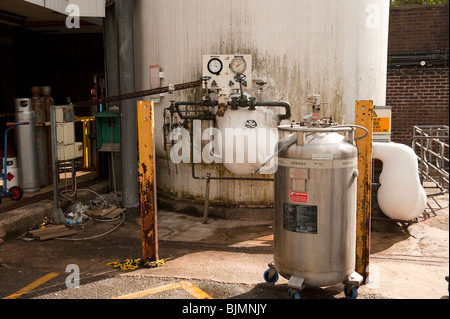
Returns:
<point x="147" y="185"/>
<point x="364" y="117"/>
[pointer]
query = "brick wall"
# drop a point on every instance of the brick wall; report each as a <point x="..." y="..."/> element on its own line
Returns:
<point x="418" y="29"/>
<point x="418" y="96"/>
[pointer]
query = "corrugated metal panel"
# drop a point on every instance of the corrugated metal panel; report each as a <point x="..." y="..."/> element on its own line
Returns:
<point x="38" y="2"/>
<point x="88" y="8"/>
<point x="337" y="49"/>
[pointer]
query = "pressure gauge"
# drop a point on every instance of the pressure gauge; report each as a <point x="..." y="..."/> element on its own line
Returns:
<point x="215" y="66"/>
<point x="238" y="65"/>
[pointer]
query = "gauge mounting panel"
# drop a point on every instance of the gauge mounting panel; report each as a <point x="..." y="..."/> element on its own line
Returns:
<point x="222" y="68"/>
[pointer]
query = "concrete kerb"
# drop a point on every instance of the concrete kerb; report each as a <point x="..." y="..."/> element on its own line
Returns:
<point x="16" y="222"/>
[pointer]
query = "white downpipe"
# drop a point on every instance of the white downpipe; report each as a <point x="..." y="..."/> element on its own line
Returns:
<point x="400" y="196"/>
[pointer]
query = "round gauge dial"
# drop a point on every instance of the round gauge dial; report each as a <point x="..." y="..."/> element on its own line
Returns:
<point x="215" y="66"/>
<point x="238" y="65"/>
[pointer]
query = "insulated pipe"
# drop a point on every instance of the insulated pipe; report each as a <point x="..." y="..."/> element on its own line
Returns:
<point x="400" y="196"/>
<point x="286" y="106"/>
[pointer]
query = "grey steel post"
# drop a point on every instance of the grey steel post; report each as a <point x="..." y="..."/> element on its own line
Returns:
<point x="112" y="83"/>
<point x="128" y="109"/>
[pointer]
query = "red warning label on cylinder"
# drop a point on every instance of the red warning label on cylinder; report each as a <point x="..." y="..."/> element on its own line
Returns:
<point x="298" y="197"/>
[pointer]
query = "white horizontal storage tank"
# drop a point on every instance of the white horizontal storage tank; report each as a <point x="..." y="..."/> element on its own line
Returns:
<point x="335" y="48"/>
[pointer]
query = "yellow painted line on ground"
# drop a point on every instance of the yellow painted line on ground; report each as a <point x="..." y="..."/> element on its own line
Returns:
<point x="150" y="291"/>
<point x="193" y="290"/>
<point x="32" y="286"/>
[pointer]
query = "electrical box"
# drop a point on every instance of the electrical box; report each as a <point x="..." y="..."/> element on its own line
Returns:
<point x="77" y="149"/>
<point x="68" y="148"/>
<point x="68" y="152"/>
<point x="65" y="152"/>
<point x="64" y="114"/>
<point x="108" y="131"/>
<point x="65" y="133"/>
<point x="223" y="68"/>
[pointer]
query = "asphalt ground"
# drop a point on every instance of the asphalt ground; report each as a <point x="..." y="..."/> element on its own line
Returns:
<point x="223" y="260"/>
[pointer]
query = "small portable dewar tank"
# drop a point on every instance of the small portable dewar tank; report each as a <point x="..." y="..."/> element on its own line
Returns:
<point x="315" y="206"/>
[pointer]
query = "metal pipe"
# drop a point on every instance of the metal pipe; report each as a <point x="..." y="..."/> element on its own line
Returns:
<point x="213" y="177"/>
<point x="130" y="190"/>
<point x="286" y="106"/>
<point x="205" y="212"/>
<point x="58" y="215"/>
<point x="111" y="52"/>
<point x="133" y="95"/>
<point x="233" y="105"/>
<point x="337" y="128"/>
<point x="195" y="103"/>
<point x="283" y="143"/>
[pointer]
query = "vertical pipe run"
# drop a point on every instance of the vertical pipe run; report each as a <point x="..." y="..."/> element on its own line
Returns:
<point x="74" y="177"/>
<point x="147" y="183"/>
<point x="205" y="212"/>
<point x="364" y="118"/>
<point x="58" y="215"/>
<point x="124" y="13"/>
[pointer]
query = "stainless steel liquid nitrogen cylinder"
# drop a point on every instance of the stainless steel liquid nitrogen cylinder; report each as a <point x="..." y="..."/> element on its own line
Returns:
<point x="315" y="205"/>
<point x="27" y="146"/>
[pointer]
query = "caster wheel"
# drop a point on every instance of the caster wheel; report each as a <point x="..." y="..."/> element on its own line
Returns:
<point x="16" y="193"/>
<point x="351" y="293"/>
<point x="293" y="294"/>
<point x="270" y="280"/>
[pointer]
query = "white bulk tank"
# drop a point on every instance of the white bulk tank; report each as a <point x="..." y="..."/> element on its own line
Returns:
<point x="337" y="49"/>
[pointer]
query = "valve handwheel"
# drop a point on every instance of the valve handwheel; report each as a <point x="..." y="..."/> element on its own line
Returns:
<point x="240" y="77"/>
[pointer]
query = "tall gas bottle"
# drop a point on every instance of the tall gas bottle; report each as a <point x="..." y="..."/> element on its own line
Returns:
<point x="27" y="146"/>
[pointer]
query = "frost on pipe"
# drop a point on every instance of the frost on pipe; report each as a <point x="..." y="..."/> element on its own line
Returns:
<point x="248" y="139"/>
<point x="400" y="196"/>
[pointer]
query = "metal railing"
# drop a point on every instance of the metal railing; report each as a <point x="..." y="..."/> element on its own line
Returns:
<point x="430" y="143"/>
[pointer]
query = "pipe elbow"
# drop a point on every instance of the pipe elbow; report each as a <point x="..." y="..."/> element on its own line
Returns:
<point x="401" y="195"/>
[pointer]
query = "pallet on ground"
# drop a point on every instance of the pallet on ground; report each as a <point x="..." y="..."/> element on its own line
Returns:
<point x="52" y="232"/>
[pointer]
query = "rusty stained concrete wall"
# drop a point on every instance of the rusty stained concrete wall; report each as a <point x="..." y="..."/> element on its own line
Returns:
<point x="334" y="48"/>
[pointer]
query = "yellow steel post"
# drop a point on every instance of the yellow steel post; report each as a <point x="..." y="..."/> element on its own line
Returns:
<point x="147" y="185"/>
<point x="86" y="142"/>
<point x="364" y="118"/>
